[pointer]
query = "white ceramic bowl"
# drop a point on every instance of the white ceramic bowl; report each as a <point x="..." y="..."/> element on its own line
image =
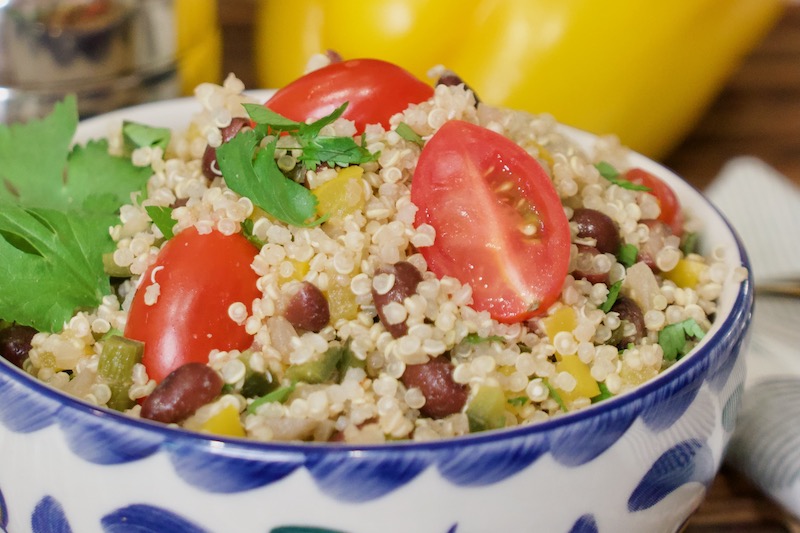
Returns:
<point x="641" y="461"/>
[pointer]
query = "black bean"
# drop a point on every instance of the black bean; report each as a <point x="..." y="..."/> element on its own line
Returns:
<point x="590" y="274"/>
<point x="593" y="224"/>
<point x="308" y="308"/>
<point x="648" y="250"/>
<point x="183" y="391"/>
<point x="210" y="168"/>
<point x="628" y="311"/>
<point x="451" y="79"/>
<point x="15" y="343"/>
<point x="434" y="379"/>
<point x="406" y="279"/>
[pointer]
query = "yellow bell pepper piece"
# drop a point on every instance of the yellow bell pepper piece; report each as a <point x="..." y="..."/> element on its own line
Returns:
<point x="564" y="319"/>
<point x="342" y="195"/>
<point x="585" y="387"/>
<point x="226" y="423"/>
<point x="641" y="70"/>
<point x="686" y="273"/>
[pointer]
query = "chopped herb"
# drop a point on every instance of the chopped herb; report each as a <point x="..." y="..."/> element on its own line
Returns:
<point x="675" y="339"/>
<point x="519" y="401"/>
<point x="342" y="151"/>
<point x="555" y="395"/>
<point x="56" y="205"/>
<point x="162" y="218"/>
<point x="316" y="149"/>
<point x="137" y="135"/>
<point x="627" y="255"/>
<point x="689" y="242"/>
<point x="250" y="170"/>
<point x="613" y="293"/>
<point x="605" y="394"/>
<point x="247" y="231"/>
<point x="405" y="131"/>
<point x="261" y="180"/>
<point x="278" y="395"/>
<point x="474" y="338"/>
<point x="610" y="173"/>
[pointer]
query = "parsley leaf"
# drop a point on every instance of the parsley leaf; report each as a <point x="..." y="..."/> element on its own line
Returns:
<point x="690" y="242"/>
<point x="675" y="338"/>
<point x="59" y="269"/>
<point x="518" y="401"/>
<point x="613" y="293"/>
<point x="137" y="135"/>
<point x="405" y="131"/>
<point x="341" y="151"/>
<point x="604" y="393"/>
<point x="162" y="218"/>
<point x="627" y="254"/>
<point x="278" y="395"/>
<point x="555" y="395"/>
<point x="474" y="338"/>
<point x="261" y="180"/>
<point x="56" y="205"/>
<point x="610" y="173"/>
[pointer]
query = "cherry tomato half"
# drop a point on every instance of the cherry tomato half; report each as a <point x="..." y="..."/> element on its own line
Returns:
<point x="499" y="223"/>
<point x="375" y="90"/>
<point x="671" y="212"/>
<point x="199" y="276"/>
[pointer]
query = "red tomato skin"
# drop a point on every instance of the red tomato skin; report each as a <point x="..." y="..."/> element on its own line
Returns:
<point x="375" y="90"/>
<point x="199" y="276"/>
<point x="671" y="211"/>
<point x="478" y="240"/>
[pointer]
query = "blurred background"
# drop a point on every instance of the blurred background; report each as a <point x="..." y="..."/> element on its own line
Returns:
<point x="691" y="83"/>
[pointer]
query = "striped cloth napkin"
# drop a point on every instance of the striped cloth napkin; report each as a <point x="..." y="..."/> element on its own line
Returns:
<point x="764" y="207"/>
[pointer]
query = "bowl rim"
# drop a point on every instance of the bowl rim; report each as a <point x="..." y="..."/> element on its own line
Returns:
<point x="738" y="316"/>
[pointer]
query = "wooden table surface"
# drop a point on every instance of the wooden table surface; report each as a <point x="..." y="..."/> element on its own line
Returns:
<point x="758" y="114"/>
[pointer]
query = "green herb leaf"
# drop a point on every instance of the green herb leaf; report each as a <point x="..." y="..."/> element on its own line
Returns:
<point x="278" y="395"/>
<point x="405" y="131"/>
<point x="135" y="135"/>
<point x="58" y="270"/>
<point x="675" y="339"/>
<point x="56" y="205"/>
<point x="519" y="401"/>
<point x="627" y="255"/>
<point x="162" y="218"/>
<point x="610" y="173"/>
<point x="605" y="394"/>
<point x="262" y="181"/>
<point x="308" y="132"/>
<point x="555" y="395"/>
<point x="689" y="242"/>
<point x="247" y="231"/>
<point x="267" y="117"/>
<point x="474" y="338"/>
<point x="342" y="151"/>
<point x="613" y="294"/>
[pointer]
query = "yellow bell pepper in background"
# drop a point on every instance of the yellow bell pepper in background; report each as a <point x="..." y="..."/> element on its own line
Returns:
<point x="642" y="70"/>
<point x="199" y="43"/>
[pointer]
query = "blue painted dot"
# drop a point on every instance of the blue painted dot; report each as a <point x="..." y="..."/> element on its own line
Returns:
<point x="689" y="461"/>
<point x="141" y="518"/>
<point x="48" y="517"/>
<point x="585" y="524"/>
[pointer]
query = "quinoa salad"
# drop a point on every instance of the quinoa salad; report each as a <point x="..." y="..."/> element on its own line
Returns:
<point x="355" y="324"/>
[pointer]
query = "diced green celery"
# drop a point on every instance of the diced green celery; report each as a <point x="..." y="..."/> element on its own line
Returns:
<point x="487" y="410"/>
<point x="115" y="368"/>
<point x="319" y="370"/>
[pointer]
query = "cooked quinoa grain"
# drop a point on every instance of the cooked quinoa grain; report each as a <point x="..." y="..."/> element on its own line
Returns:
<point x="347" y="378"/>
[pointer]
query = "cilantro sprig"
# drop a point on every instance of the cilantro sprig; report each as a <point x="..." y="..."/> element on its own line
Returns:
<point x="677" y="339"/>
<point x="251" y="170"/>
<point x="610" y="173"/>
<point x="56" y="205"/>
